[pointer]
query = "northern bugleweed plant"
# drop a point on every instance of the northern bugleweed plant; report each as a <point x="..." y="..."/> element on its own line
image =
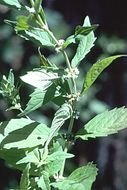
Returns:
<point x="38" y="150"/>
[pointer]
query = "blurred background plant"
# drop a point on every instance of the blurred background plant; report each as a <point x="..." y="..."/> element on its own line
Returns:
<point x="109" y="90"/>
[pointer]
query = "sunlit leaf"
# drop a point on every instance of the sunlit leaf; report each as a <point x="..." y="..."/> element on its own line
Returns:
<point x="31" y="157"/>
<point x="38" y="36"/>
<point x="96" y="70"/>
<point x="55" y="161"/>
<point x="86" y="42"/>
<point x="24" y="181"/>
<point x="40" y="79"/>
<point x="81" y="179"/>
<point x="104" y="124"/>
<point x="22" y="133"/>
<point x="44" y="182"/>
<point x="11" y="3"/>
<point x="22" y="23"/>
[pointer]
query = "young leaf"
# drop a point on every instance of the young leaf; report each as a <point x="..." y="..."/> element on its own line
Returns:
<point x="96" y="70"/>
<point x="84" y="46"/>
<point x="55" y="161"/>
<point x="44" y="182"/>
<point x="25" y="182"/>
<point x="36" y="35"/>
<point x="11" y="78"/>
<point x="104" y="124"/>
<point x="22" y="23"/>
<point x="22" y="133"/>
<point x="81" y="179"/>
<point x="71" y="39"/>
<point x="85" y="30"/>
<point x="40" y="79"/>
<point x="11" y="3"/>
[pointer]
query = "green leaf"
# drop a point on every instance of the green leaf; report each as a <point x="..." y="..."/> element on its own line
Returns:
<point x="12" y="155"/>
<point x="86" y="42"/>
<point x="24" y="181"/>
<point x="71" y="39"/>
<point x="31" y="157"/>
<point x="43" y="61"/>
<point x="55" y="159"/>
<point x="36" y="101"/>
<point x="37" y="35"/>
<point x="81" y="179"/>
<point x="11" y="78"/>
<point x="37" y="5"/>
<point x="39" y="98"/>
<point x="22" y="133"/>
<point x="44" y="182"/>
<point x="62" y="114"/>
<point x="96" y="70"/>
<point x="85" y="30"/>
<point x="106" y="123"/>
<point x="40" y="79"/>
<point x="11" y="3"/>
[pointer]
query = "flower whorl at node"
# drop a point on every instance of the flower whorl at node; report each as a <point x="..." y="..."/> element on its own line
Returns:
<point x="73" y="73"/>
<point x="59" y="45"/>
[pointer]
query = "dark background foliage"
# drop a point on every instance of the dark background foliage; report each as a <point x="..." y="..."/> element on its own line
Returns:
<point x="109" y="153"/>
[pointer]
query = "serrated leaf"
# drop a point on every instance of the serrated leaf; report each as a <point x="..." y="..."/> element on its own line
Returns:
<point x="24" y="181"/>
<point x="39" y="98"/>
<point x="104" y="124"/>
<point x="11" y="3"/>
<point x="84" y="46"/>
<point x="96" y="70"/>
<point x="81" y="179"/>
<point x="38" y="36"/>
<point x="40" y="79"/>
<point x="22" y="133"/>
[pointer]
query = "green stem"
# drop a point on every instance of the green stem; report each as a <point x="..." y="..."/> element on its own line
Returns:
<point x="66" y="147"/>
<point x="67" y="60"/>
<point x="70" y="125"/>
<point x="25" y="115"/>
<point x="63" y="164"/>
<point x="72" y="86"/>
